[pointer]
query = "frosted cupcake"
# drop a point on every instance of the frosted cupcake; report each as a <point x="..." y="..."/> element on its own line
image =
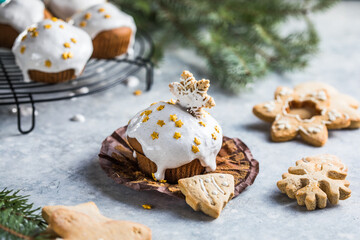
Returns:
<point x="16" y="16"/>
<point x="112" y="31"/>
<point x="174" y="140"/>
<point x="67" y="8"/>
<point x="52" y="51"/>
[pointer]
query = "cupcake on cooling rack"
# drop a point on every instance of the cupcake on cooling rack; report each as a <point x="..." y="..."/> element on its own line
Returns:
<point x="52" y="51"/>
<point x="112" y="31"/>
<point x="174" y="140"/>
<point x="16" y="15"/>
<point x="67" y="8"/>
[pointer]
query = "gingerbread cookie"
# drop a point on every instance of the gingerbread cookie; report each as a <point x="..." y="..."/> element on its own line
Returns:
<point x="84" y="221"/>
<point x="314" y="180"/>
<point x="208" y="193"/>
<point x="310" y="109"/>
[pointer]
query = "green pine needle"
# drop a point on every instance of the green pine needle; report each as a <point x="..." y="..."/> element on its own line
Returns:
<point x="241" y="40"/>
<point x="18" y="218"/>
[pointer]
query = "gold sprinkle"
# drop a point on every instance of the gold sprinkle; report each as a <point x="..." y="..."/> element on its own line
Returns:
<point x="48" y="63"/>
<point x="147" y="112"/>
<point x="101" y="10"/>
<point x="35" y="34"/>
<point x="67" y="45"/>
<point x="195" y="149"/>
<point x="67" y="55"/>
<point x="160" y="123"/>
<point x="73" y="40"/>
<point x="54" y="19"/>
<point x="32" y="29"/>
<point x="153" y="103"/>
<point x="107" y="16"/>
<point x="87" y="16"/>
<point x="155" y="135"/>
<point x="213" y="135"/>
<point x="47" y="26"/>
<point x="177" y="135"/>
<point x="161" y="107"/>
<point x="61" y="26"/>
<point x="82" y="24"/>
<point x="23" y="38"/>
<point x="197" y="141"/>
<point x="202" y="124"/>
<point x="171" y="102"/>
<point x="147" y="206"/>
<point x="173" y="117"/>
<point x="217" y="129"/>
<point x="163" y="181"/>
<point x="129" y="122"/>
<point x="137" y="92"/>
<point x="145" y="119"/>
<point x="22" y="49"/>
<point x="179" y="123"/>
<point x="153" y="176"/>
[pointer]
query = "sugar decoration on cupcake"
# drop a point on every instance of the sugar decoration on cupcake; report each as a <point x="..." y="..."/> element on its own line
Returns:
<point x="52" y="46"/>
<point x="174" y="134"/>
<point x="102" y="17"/>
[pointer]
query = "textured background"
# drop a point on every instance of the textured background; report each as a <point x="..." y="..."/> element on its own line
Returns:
<point x="58" y="164"/>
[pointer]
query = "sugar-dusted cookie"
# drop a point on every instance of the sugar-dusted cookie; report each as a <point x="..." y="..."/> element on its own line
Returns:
<point x="208" y="193"/>
<point x="310" y="109"/>
<point x="84" y="222"/>
<point x="314" y="180"/>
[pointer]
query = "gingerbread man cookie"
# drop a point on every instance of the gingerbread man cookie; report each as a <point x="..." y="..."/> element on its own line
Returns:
<point x="308" y="110"/>
<point x="314" y="180"/>
<point x="84" y="222"/>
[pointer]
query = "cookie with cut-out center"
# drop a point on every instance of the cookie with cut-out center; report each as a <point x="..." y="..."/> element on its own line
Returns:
<point x="208" y="193"/>
<point x="316" y="179"/>
<point x="308" y="110"/>
<point x="84" y="222"/>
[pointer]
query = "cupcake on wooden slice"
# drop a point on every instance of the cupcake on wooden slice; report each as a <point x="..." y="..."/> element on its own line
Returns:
<point x="174" y="140"/>
<point x="112" y="31"/>
<point x="16" y="15"/>
<point x="67" y="8"/>
<point x="52" y="51"/>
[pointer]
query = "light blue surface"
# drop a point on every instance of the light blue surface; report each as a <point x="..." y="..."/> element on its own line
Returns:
<point x="58" y="164"/>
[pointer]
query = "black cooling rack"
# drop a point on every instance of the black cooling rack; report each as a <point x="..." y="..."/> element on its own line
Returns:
<point x="99" y="75"/>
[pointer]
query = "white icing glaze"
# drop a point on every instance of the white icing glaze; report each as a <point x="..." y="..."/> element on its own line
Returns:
<point x="97" y="22"/>
<point x="21" y="13"/>
<point x="320" y="95"/>
<point x="66" y="8"/>
<point x="286" y="91"/>
<point x="282" y="124"/>
<point x="217" y="186"/>
<point x="225" y="184"/>
<point x="314" y="129"/>
<point x="48" y="45"/>
<point x="333" y="115"/>
<point x="270" y="106"/>
<point x="203" y="187"/>
<point x="214" y="192"/>
<point x="166" y="151"/>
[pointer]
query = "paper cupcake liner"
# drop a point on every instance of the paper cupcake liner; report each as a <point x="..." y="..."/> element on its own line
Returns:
<point x="116" y="159"/>
<point x="111" y="43"/>
<point x="58" y="77"/>
<point x="7" y="35"/>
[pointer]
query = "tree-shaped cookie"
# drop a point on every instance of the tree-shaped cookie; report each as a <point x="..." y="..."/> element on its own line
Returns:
<point x="308" y="110"/>
<point x="314" y="180"/>
<point x="84" y="222"/>
<point x="192" y="94"/>
<point x="208" y="193"/>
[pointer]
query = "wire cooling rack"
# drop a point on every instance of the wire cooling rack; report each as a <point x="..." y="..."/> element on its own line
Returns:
<point x="99" y="75"/>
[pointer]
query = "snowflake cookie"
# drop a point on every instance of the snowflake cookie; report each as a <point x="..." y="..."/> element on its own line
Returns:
<point x="314" y="180"/>
<point x="310" y="109"/>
